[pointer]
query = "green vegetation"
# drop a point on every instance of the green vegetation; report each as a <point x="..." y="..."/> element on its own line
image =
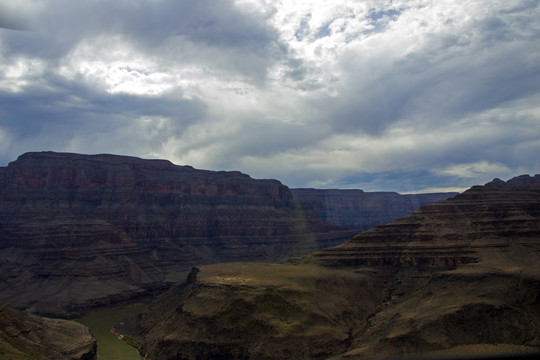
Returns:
<point x="133" y="343"/>
<point x="109" y="346"/>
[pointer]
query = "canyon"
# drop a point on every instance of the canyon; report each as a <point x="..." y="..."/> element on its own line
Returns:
<point x="83" y="232"/>
<point x="247" y="268"/>
<point x="460" y="277"/>
<point x="92" y="231"/>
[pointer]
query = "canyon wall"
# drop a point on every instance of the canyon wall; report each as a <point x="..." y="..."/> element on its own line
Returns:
<point x="360" y="210"/>
<point x="458" y="278"/>
<point x="79" y="232"/>
<point x="452" y="232"/>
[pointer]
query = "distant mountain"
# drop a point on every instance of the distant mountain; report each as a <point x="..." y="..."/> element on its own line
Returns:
<point x="29" y="337"/>
<point x="79" y="232"/>
<point x="449" y="233"/>
<point x="359" y="210"/>
<point x="460" y="277"/>
<point x="521" y="180"/>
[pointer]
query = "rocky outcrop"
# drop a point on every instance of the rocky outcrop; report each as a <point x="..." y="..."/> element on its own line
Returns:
<point x="446" y="234"/>
<point x="473" y="310"/>
<point x="78" y="232"/>
<point x="29" y="337"/>
<point x="359" y="210"/>
<point x="256" y="311"/>
<point x="459" y="277"/>
<point x="521" y="180"/>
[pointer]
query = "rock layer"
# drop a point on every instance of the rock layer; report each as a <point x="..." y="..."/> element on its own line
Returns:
<point x="28" y="337"/>
<point x="82" y="231"/>
<point x="457" y="231"/>
<point x="359" y="210"/>
<point x="257" y="311"/>
<point x="464" y="271"/>
<point x="459" y="277"/>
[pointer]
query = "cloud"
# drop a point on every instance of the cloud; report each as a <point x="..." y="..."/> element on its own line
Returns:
<point x="434" y="62"/>
<point x="216" y="34"/>
<point x="474" y="169"/>
<point x="394" y="95"/>
<point x="16" y="16"/>
<point x="73" y="116"/>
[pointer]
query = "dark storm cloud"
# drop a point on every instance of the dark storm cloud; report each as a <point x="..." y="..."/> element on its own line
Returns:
<point x="69" y="102"/>
<point x="214" y="29"/>
<point x="51" y="109"/>
<point x="404" y="94"/>
<point x="14" y="17"/>
<point x="55" y="114"/>
<point x="6" y="22"/>
<point x="244" y="44"/>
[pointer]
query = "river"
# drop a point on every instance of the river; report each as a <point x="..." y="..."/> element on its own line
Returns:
<point x="109" y="347"/>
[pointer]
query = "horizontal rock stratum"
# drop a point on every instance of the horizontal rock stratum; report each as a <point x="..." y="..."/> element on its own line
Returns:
<point x="79" y="232"/>
<point x="457" y="278"/>
<point x="494" y="218"/>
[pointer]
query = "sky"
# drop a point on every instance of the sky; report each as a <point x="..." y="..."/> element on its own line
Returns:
<point x="404" y="95"/>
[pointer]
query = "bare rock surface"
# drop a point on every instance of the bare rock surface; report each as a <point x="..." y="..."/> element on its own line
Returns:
<point x="459" y="277"/>
<point x="258" y="311"/>
<point x="481" y="223"/>
<point x="465" y="271"/>
<point x="29" y="337"/>
<point x="80" y="232"/>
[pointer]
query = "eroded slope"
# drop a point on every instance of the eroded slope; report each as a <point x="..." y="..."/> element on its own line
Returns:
<point x="458" y="277"/>
<point x="28" y="337"/>
<point x="79" y="232"/>
<point x="254" y="310"/>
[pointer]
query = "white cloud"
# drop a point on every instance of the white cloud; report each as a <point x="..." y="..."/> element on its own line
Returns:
<point x="20" y="72"/>
<point x="310" y="92"/>
<point x="110" y="63"/>
<point x="473" y="170"/>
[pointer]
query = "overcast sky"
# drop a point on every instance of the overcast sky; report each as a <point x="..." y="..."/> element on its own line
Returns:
<point x="407" y="96"/>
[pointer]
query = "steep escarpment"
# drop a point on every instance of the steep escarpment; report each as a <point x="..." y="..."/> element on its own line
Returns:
<point x="481" y="310"/>
<point x="28" y="337"/>
<point x="359" y="210"/>
<point x="460" y="277"/>
<point x="461" y="274"/>
<point x="464" y="229"/>
<point x="257" y="311"/>
<point x="79" y="232"/>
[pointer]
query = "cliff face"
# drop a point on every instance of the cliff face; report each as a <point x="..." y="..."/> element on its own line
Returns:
<point x="461" y="276"/>
<point x="457" y="278"/>
<point x="79" y="232"/>
<point x="449" y="233"/>
<point x="359" y="210"/>
<point x="256" y="311"/>
<point x="29" y="337"/>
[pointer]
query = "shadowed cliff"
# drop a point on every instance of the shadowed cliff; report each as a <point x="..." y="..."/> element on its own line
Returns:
<point x="25" y="336"/>
<point x="457" y="278"/>
<point x="360" y="210"/>
<point x="79" y="232"/>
